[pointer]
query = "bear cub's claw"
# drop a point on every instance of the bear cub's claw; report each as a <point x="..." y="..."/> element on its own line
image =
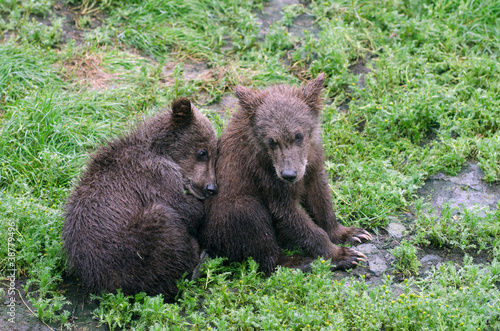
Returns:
<point x="364" y="235"/>
<point x="350" y="235"/>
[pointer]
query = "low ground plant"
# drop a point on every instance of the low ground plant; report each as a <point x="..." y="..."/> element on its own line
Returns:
<point x="236" y="297"/>
<point x="407" y="261"/>
<point x="477" y="230"/>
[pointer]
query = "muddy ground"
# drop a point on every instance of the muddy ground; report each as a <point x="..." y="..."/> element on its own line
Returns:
<point x="466" y="190"/>
<point x="25" y="314"/>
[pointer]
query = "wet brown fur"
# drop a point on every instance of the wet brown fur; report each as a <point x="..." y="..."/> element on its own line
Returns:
<point x="129" y="223"/>
<point x="257" y="211"/>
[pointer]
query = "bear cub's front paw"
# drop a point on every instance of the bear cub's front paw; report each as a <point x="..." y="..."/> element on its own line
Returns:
<point x="346" y="258"/>
<point x="349" y="235"/>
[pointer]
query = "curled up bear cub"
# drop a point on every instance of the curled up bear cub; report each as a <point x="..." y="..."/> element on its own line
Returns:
<point x="132" y="220"/>
<point x="273" y="189"/>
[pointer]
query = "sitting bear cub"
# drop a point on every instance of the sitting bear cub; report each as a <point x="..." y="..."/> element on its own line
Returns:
<point x="132" y="220"/>
<point x="273" y="189"/>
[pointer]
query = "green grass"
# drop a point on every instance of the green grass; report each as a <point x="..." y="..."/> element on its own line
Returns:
<point x="430" y="103"/>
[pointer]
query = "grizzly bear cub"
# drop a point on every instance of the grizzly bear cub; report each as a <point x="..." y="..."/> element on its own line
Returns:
<point x="273" y="189"/>
<point x="132" y="221"/>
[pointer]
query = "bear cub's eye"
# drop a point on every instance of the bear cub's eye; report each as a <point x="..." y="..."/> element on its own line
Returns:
<point x="272" y="143"/>
<point x="299" y="137"/>
<point x="203" y="155"/>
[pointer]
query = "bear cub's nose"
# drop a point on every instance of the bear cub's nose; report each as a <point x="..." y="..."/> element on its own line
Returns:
<point x="289" y="175"/>
<point x="211" y="189"/>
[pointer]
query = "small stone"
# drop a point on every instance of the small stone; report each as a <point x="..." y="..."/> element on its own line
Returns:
<point x="377" y="265"/>
<point x="396" y="230"/>
<point x="367" y="249"/>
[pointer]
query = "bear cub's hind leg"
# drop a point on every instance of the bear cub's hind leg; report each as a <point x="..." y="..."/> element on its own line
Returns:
<point x="161" y="247"/>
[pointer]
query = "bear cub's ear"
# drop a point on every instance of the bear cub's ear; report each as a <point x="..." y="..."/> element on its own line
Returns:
<point x="182" y="112"/>
<point x="311" y="92"/>
<point x="248" y="99"/>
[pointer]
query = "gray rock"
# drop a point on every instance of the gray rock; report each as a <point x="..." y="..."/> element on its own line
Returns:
<point x="388" y="257"/>
<point x="396" y="230"/>
<point x="430" y="259"/>
<point x="367" y="249"/>
<point x="377" y="264"/>
<point x="466" y="190"/>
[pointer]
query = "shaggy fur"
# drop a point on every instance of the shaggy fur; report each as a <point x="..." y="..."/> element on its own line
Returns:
<point x="132" y="220"/>
<point x="273" y="189"/>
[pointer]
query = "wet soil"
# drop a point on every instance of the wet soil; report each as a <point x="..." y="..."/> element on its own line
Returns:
<point x="18" y="315"/>
<point x="23" y="316"/>
<point x="272" y="12"/>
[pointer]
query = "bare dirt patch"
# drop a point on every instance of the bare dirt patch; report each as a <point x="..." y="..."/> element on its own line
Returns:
<point x="360" y="69"/>
<point x="190" y="71"/>
<point x="88" y="70"/>
<point x="272" y="11"/>
<point x="78" y="19"/>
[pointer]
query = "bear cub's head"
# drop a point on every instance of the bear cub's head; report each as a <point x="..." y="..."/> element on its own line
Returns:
<point x="194" y="148"/>
<point x="285" y="122"/>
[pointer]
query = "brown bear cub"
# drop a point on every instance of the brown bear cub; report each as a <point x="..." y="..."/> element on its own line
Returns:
<point x="273" y="189"/>
<point x="132" y="221"/>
